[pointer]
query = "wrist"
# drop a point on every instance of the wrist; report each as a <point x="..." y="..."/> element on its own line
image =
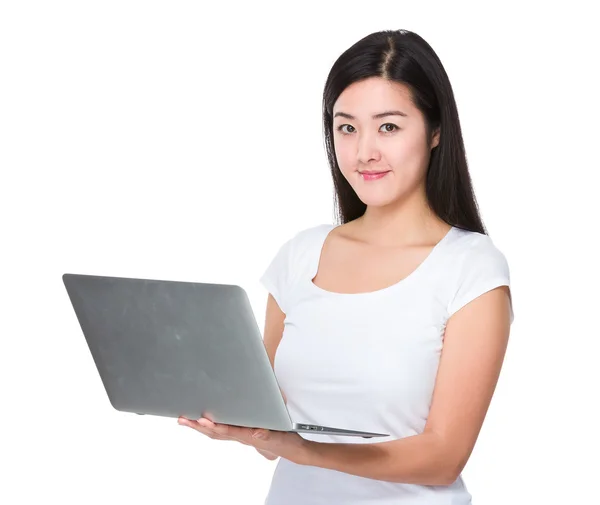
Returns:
<point x="306" y="453"/>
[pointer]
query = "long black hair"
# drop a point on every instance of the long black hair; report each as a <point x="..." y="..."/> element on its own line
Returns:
<point x="405" y="57"/>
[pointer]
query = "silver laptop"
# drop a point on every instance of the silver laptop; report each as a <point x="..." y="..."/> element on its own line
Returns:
<point x="171" y="348"/>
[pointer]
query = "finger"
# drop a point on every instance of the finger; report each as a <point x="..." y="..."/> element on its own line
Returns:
<point x="239" y="433"/>
<point x="206" y="423"/>
<point x="219" y="431"/>
<point x="202" y="429"/>
<point x="260" y="434"/>
<point x="213" y="430"/>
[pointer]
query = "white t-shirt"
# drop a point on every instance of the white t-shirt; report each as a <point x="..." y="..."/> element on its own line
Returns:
<point x="368" y="361"/>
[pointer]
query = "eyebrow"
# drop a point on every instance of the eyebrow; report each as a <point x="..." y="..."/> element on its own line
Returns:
<point x="376" y="116"/>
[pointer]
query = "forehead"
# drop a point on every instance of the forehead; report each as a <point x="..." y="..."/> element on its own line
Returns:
<point x="373" y="95"/>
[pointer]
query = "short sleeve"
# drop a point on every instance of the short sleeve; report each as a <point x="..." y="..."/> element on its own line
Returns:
<point x="275" y="278"/>
<point x="485" y="267"/>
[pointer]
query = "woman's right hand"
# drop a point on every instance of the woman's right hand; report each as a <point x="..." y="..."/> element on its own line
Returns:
<point x="269" y="455"/>
<point x="215" y="436"/>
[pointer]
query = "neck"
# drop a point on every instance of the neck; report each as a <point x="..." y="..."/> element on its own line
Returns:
<point x="402" y="223"/>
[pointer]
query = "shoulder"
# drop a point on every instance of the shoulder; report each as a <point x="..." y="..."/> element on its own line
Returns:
<point x="474" y="249"/>
<point x="290" y="262"/>
<point x="312" y="231"/>
<point x="306" y="237"/>
<point x="296" y="247"/>
<point x="477" y="266"/>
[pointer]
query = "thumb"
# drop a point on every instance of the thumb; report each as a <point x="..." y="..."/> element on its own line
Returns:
<point x="260" y="434"/>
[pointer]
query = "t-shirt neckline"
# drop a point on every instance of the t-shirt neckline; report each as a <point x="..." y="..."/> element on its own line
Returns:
<point x="400" y="284"/>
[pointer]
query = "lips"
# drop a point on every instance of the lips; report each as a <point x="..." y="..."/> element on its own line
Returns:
<point x="371" y="176"/>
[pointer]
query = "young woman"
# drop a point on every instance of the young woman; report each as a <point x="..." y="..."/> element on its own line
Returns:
<point x="395" y="320"/>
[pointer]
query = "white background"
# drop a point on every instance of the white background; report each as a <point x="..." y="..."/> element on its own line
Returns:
<point x="174" y="140"/>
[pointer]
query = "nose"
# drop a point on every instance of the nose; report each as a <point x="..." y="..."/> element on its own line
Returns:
<point x="367" y="149"/>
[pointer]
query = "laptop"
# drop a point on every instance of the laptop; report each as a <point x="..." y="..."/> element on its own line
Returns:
<point x="172" y="348"/>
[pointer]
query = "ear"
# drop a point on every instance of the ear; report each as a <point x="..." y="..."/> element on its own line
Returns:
<point x="435" y="140"/>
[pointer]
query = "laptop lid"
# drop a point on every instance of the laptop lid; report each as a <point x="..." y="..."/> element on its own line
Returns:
<point x="172" y="348"/>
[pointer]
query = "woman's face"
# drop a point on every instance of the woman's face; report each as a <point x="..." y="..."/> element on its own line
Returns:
<point x="395" y="144"/>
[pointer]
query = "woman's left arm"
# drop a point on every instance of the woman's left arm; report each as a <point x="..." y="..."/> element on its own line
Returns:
<point x="475" y="343"/>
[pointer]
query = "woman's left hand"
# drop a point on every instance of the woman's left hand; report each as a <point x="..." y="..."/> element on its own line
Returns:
<point x="288" y="445"/>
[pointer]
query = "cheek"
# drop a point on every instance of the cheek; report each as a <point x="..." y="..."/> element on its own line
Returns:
<point x="344" y="154"/>
<point x="405" y="150"/>
<point x="346" y="158"/>
<point x="409" y="158"/>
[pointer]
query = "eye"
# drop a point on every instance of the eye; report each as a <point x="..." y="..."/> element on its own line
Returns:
<point x="390" y="124"/>
<point x="394" y="127"/>
<point x="340" y="128"/>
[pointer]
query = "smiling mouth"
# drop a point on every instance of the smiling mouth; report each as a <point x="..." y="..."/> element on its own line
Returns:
<point x="371" y="176"/>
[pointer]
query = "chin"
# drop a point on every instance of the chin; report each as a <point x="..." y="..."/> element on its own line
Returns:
<point x="375" y="200"/>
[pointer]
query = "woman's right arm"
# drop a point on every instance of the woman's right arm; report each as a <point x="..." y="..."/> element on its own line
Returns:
<point x="272" y="336"/>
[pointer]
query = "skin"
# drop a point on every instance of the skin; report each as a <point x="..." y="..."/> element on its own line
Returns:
<point x="396" y="204"/>
<point x="397" y="232"/>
